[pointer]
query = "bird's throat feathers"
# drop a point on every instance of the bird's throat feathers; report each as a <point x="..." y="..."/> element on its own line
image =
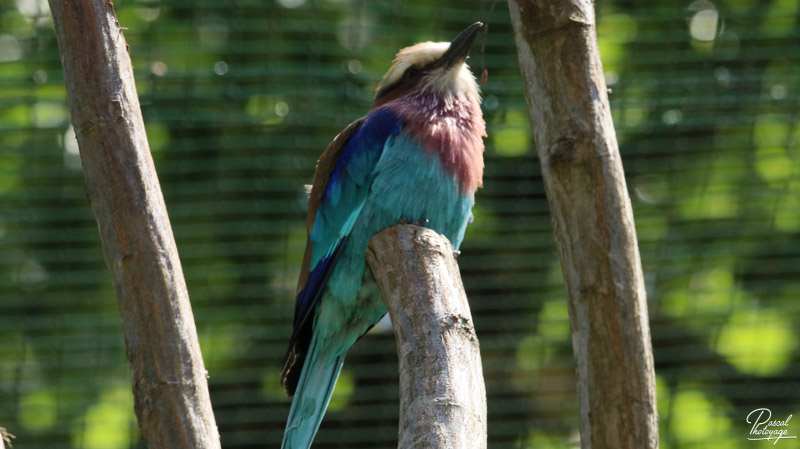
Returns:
<point x="448" y="125"/>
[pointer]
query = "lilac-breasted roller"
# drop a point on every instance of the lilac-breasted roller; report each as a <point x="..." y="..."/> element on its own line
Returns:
<point x="417" y="155"/>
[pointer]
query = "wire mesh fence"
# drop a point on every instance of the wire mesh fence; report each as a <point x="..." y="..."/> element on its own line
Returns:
<point x="239" y="100"/>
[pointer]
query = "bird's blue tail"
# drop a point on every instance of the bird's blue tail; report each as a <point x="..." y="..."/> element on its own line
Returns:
<point x="311" y="398"/>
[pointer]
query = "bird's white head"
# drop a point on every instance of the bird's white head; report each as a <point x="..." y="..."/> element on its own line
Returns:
<point x="434" y="67"/>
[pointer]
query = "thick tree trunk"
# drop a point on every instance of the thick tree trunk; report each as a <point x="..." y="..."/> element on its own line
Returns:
<point x="442" y="394"/>
<point x="592" y="220"/>
<point x="169" y="379"/>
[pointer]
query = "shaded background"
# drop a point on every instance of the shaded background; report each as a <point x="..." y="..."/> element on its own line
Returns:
<point x="240" y="98"/>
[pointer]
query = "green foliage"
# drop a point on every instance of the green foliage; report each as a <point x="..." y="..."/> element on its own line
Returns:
<point x="758" y="341"/>
<point x="695" y="417"/>
<point x="37" y="410"/>
<point x="108" y="424"/>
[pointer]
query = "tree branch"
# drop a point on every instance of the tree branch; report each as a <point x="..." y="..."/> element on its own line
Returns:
<point x="592" y="221"/>
<point x="5" y="438"/>
<point x="169" y="380"/>
<point x="442" y="394"/>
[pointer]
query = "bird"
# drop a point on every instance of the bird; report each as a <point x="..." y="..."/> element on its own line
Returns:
<point x="415" y="157"/>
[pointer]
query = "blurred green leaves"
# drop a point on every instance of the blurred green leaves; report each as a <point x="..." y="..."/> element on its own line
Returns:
<point x="38" y="410"/>
<point x="696" y="418"/>
<point x="614" y="31"/>
<point x="512" y="137"/>
<point x="758" y="341"/>
<point x="108" y="424"/>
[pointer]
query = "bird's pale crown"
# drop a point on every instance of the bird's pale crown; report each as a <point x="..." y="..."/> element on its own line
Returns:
<point x="439" y="78"/>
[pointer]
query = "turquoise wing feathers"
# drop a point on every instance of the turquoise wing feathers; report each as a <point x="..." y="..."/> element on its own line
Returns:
<point x="341" y="185"/>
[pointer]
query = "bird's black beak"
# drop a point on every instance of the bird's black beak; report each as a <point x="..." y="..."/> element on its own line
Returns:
<point x="459" y="47"/>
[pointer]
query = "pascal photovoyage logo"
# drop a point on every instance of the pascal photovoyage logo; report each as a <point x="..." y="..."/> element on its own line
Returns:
<point x="765" y="428"/>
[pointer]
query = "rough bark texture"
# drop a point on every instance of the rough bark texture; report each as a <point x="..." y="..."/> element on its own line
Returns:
<point x="592" y="220"/>
<point x="442" y="394"/>
<point x="169" y="379"/>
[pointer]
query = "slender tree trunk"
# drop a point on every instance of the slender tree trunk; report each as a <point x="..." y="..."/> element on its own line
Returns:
<point x="592" y="220"/>
<point x="169" y="379"/>
<point x="442" y="394"/>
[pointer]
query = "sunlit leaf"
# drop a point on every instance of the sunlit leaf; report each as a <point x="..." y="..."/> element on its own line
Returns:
<point x="758" y="341"/>
<point x="108" y="423"/>
<point x="38" y="409"/>
<point x="695" y="417"/>
<point x="512" y="137"/>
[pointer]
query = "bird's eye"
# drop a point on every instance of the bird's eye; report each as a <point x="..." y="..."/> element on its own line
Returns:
<point x="412" y="74"/>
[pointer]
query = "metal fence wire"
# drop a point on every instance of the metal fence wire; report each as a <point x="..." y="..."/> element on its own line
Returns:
<point x="239" y="100"/>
